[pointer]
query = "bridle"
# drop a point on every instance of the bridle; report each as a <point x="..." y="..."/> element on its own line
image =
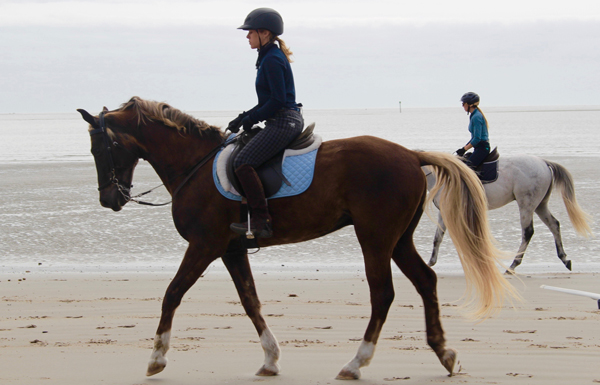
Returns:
<point x="112" y="179"/>
<point x="124" y="190"/>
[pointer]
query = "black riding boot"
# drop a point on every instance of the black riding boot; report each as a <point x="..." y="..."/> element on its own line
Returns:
<point x="257" y="203"/>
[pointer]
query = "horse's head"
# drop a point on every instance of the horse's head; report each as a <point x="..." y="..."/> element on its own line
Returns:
<point x="167" y="138"/>
<point x="115" y="155"/>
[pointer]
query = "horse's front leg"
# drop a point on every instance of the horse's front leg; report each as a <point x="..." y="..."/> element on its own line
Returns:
<point x="238" y="266"/>
<point x="193" y="265"/>
<point x="526" y="235"/>
<point x="437" y="240"/>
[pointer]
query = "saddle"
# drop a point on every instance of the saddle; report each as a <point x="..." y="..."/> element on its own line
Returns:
<point x="270" y="172"/>
<point x="487" y="171"/>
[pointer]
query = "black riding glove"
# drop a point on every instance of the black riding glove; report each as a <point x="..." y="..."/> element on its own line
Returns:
<point x="461" y="151"/>
<point x="247" y="123"/>
<point x="235" y="124"/>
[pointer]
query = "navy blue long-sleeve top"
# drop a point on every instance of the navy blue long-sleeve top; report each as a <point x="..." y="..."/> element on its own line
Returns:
<point x="274" y="84"/>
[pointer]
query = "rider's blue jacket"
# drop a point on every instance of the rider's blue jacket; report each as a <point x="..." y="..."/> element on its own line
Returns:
<point x="478" y="128"/>
<point x="274" y="84"/>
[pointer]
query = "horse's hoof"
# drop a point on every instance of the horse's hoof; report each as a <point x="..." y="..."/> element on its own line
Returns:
<point x="448" y="360"/>
<point x="346" y="374"/>
<point x="510" y="271"/>
<point x="568" y="264"/>
<point x="155" y="367"/>
<point x="267" y="372"/>
<point x="431" y="264"/>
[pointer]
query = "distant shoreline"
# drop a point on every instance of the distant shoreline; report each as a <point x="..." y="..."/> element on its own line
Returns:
<point x="557" y="108"/>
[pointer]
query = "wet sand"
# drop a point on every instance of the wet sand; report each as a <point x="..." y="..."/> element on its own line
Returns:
<point x="51" y="215"/>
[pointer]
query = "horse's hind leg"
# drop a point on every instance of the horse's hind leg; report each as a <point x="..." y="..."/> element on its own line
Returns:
<point x="190" y="270"/>
<point x="238" y="266"/>
<point x="425" y="281"/>
<point x="437" y="240"/>
<point x="546" y="216"/>
<point x="379" y="277"/>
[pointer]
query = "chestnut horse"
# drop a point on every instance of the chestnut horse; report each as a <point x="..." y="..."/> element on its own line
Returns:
<point x="373" y="184"/>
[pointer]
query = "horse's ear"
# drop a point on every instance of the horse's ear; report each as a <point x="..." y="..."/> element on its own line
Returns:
<point x="88" y="118"/>
<point x="104" y="109"/>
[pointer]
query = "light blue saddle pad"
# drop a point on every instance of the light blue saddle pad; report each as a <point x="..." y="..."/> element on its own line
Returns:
<point x="297" y="169"/>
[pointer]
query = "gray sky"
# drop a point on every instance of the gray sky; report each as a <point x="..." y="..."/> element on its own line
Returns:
<point x="56" y="56"/>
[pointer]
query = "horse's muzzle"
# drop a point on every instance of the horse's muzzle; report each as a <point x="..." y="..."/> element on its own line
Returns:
<point x="113" y="199"/>
<point x="114" y="205"/>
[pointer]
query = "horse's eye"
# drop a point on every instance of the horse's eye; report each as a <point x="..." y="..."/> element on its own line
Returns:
<point x="96" y="151"/>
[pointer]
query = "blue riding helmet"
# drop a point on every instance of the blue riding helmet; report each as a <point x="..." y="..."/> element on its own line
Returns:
<point x="264" y="18"/>
<point x="470" y="98"/>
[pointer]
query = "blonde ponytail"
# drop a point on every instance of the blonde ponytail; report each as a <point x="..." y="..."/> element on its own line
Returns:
<point x="482" y="114"/>
<point x="284" y="48"/>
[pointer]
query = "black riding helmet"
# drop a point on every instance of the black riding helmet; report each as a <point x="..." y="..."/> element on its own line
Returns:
<point x="264" y="18"/>
<point x="470" y="98"/>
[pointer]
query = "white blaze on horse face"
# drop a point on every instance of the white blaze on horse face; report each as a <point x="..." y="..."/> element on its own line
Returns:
<point x="363" y="358"/>
<point x="272" y="352"/>
<point x="158" y="361"/>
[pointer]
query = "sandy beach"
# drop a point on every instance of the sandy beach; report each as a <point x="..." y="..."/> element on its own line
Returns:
<point x="86" y="328"/>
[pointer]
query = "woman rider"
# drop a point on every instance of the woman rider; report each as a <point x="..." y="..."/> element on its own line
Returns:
<point x="478" y="128"/>
<point x="276" y="105"/>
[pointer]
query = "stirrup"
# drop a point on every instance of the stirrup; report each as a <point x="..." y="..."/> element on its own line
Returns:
<point x="242" y="229"/>
<point x="250" y="233"/>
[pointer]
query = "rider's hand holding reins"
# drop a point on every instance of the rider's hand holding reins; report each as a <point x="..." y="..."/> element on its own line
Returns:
<point x="247" y="123"/>
<point x="235" y="124"/>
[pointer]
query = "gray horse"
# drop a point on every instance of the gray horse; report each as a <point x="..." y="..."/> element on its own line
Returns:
<point x="529" y="180"/>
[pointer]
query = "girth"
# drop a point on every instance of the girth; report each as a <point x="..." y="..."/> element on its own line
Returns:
<point x="270" y="172"/>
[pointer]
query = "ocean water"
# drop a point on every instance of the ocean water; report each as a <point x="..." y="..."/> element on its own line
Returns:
<point x="51" y="221"/>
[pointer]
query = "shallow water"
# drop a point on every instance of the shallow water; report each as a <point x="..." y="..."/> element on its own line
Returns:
<point x="51" y="219"/>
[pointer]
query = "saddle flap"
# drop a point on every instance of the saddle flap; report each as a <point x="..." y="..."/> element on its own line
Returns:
<point x="298" y="168"/>
<point x="488" y="170"/>
<point x="271" y="172"/>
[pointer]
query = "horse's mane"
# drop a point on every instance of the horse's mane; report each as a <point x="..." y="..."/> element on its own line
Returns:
<point x="170" y="117"/>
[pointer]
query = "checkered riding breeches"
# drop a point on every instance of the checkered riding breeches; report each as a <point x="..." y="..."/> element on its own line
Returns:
<point x="279" y="131"/>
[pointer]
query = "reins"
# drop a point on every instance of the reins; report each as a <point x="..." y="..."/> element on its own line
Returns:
<point x="203" y="161"/>
<point x="125" y="191"/>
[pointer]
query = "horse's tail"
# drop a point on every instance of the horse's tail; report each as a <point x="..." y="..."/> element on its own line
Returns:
<point x="562" y="179"/>
<point x="463" y="206"/>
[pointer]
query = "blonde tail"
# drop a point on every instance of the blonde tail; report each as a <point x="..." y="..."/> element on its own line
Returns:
<point x="463" y="206"/>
